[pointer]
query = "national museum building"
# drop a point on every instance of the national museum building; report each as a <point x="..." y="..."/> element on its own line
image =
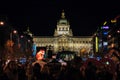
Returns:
<point x="63" y="39"/>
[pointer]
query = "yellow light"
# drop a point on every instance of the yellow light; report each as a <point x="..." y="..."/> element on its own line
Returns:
<point x="105" y="23"/>
<point x="96" y="43"/>
<point x="112" y="45"/>
<point x="113" y="21"/>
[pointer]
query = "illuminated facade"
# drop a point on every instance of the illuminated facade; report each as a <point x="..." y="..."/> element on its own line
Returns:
<point x="63" y="39"/>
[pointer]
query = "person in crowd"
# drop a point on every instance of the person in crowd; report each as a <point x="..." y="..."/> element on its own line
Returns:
<point x="118" y="71"/>
<point x="21" y="72"/>
<point x="10" y="71"/>
<point x="29" y="72"/>
<point x="90" y="71"/>
<point x="36" y="72"/>
<point x="46" y="73"/>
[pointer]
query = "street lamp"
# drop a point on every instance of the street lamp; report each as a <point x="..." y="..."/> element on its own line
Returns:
<point x="11" y="37"/>
<point x="11" y="34"/>
<point x="1" y="23"/>
<point x="1" y="40"/>
<point x="10" y="43"/>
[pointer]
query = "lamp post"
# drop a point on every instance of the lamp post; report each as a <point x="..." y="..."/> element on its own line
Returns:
<point x="10" y="44"/>
<point x="1" y="40"/>
<point x="11" y="37"/>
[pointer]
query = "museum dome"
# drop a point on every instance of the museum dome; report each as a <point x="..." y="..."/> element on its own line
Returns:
<point x="63" y="20"/>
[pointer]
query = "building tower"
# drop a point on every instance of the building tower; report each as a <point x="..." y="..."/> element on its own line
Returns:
<point x="63" y="27"/>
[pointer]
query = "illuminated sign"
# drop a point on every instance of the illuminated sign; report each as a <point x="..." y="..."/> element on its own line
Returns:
<point x="40" y="54"/>
<point x="105" y="27"/>
<point x="34" y="49"/>
<point x="113" y="21"/>
<point x="96" y="43"/>
<point x="105" y="33"/>
<point x="105" y="43"/>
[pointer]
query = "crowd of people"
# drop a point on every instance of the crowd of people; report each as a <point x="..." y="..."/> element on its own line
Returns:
<point x="51" y="69"/>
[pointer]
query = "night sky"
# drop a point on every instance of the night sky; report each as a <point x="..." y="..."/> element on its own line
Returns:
<point x="42" y="15"/>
